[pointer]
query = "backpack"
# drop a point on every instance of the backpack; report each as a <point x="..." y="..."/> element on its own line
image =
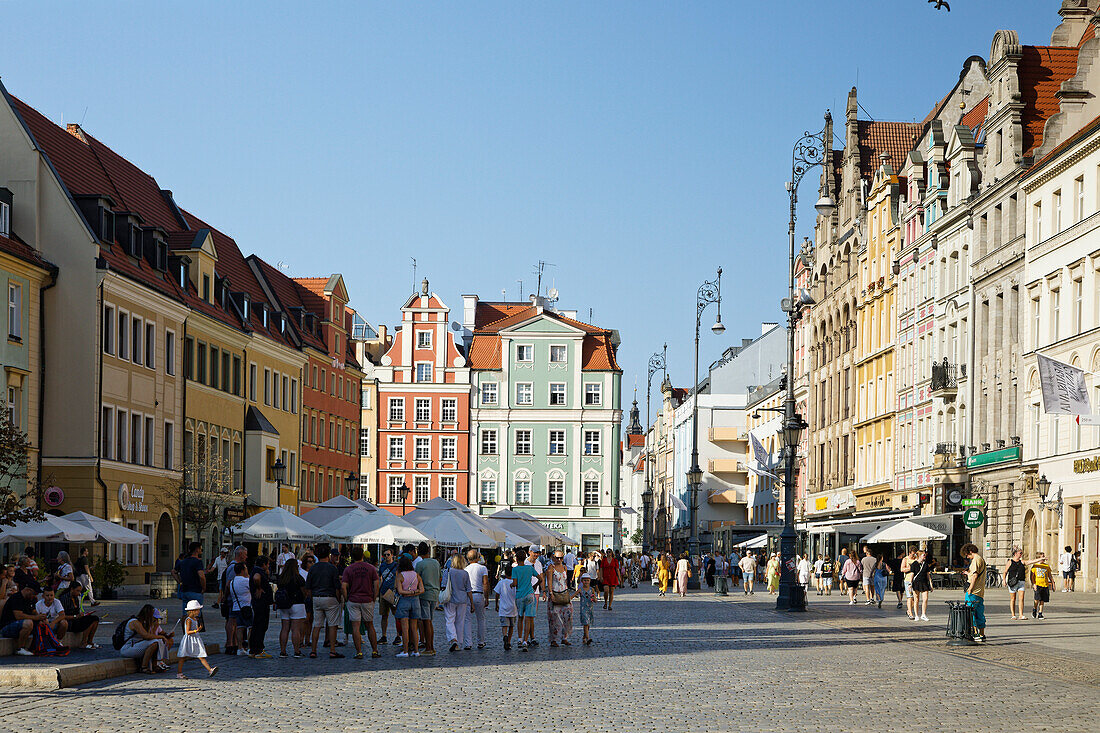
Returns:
<point x="45" y="643"/>
<point x="282" y="599"/>
<point x="118" y="638"/>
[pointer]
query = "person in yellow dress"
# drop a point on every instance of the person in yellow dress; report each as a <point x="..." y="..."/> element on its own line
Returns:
<point x="773" y="573"/>
<point x="664" y="573"/>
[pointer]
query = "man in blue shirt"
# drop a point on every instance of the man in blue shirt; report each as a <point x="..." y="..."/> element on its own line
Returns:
<point x="526" y="601"/>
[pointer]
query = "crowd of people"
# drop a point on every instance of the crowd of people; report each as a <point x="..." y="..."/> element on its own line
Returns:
<point x="37" y="610"/>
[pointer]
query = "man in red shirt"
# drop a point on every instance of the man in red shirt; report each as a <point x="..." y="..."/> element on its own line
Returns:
<point x="361" y="582"/>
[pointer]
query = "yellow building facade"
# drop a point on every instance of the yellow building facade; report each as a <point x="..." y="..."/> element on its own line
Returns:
<point x="876" y="399"/>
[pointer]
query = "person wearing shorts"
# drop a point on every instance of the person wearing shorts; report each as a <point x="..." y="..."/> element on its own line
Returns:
<point x="526" y="600"/>
<point x="360" y="583"/>
<point x="324" y="587"/>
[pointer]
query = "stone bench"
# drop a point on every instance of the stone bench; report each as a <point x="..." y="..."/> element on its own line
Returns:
<point x="54" y="673"/>
<point x="7" y="646"/>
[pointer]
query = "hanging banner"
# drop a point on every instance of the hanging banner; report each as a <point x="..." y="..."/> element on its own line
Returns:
<point x="762" y="474"/>
<point x="761" y="456"/>
<point x="1064" y="390"/>
<point x="679" y="503"/>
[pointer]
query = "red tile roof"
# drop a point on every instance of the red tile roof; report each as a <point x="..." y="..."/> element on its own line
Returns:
<point x="597" y="351"/>
<point x="877" y="138"/>
<point x="17" y="248"/>
<point x="635" y="440"/>
<point x="291" y="295"/>
<point x="975" y="118"/>
<point x="1088" y="35"/>
<point x="315" y="285"/>
<point x="487" y="313"/>
<point x="1042" y="70"/>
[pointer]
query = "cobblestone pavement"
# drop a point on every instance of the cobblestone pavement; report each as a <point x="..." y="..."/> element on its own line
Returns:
<point x="666" y="664"/>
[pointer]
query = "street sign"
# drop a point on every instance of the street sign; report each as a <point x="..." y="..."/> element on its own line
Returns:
<point x="976" y="501"/>
<point x="973" y="518"/>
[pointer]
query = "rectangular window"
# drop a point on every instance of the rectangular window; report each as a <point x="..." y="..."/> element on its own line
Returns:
<point x="151" y="345"/>
<point x="200" y="362"/>
<point x="1056" y="213"/>
<point x="523" y="491"/>
<point x="135" y="336"/>
<point x="395" y="484"/>
<point x="557" y="443"/>
<point x="423" y="408"/>
<point x="423" y="372"/>
<point x="170" y="353"/>
<point x="488" y="442"/>
<point x="150" y="442"/>
<point x="106" y="433"/>
<point x="122" y="428"/>
<point x="5" y="219"/>
<point x="523" y="443"/>
<point x="397" y="448"/>
<point x="555" y="489"/>
<point x="275" y="391"/>
<point x="215" y="366"/>
<point x="123" y="335"/>
<point x="525" y="393"/>
<point x="525" y="352"/>
<point x="397" y="409"/>
<point x="135" y="438"/>
<point x="449" y="408"/>
<point x="592" y="442"/>
<point x="226" y="373"/>
<point x="169" y="445"/>
<point x="364" y="398"/>
<point x="364" y="441"/>
<point x="423" y="449"/>
<point x="1055" y="314"/>
<point x="557" y="354"/>
<point x="331" y="427"/>
<point x="252" y="379"/>
<point x="448" y="449"/>
<point x="488" y="491"/>
<point x="591" y="493"/>
<point x="267" y="386"/>
<point x="423" y="339"/>
<point x="1035" y="313"/>
<point x="285" y="392"/>
<point x="236" y="375"/>
<point x="314" y="382"/>
<point x="108" y="330"/>
<point x="489" y="393"/>
<point x="1078" y="307"/>
<point x="1079" y="199"/>
<point x="447" y="487"/>
<point x="421" y="490"/>
<point x="592" y="394"/>
<point x="15" y="310"/>
<point x="147" y="548"/>
<point x="364" y="487"/>
<point x="557" y="393"/>
<point x="313" y="430"/>
<point x="1038" y="221"/>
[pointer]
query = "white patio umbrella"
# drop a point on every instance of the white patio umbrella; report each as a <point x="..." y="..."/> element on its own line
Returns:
<point x="903" y="530"/>
<point x="451" y="529"/>
<point x="757" y="542"/>
<point x="526" y="529"/>
<point x="50" y="529"/>
<point x="108" y="532"/>
<point x="277" y="524"/>
<point x="563" y="539"/>
<point x="440" y="504"/>
<point x="360" y="527"/>
<point x="329" y="510"/>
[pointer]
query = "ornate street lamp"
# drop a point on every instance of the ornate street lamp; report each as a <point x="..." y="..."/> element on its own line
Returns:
<point x="709" y="292"/>
<point x="657" y="363"/>
<point x="1053" y="503"/>
<point x="278" y="471"/>
<point x="809" y="151"/>
<point x="351" y="482"/>
<point x="404" y="496"/>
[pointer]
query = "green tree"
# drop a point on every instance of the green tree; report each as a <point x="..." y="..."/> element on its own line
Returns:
<point x="19" y="496"/>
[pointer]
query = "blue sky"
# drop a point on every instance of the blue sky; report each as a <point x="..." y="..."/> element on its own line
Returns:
<point x="636" y="146"/>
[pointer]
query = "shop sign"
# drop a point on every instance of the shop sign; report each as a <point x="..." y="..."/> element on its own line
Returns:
<point x="54" y="496"/>
<point x="973" y="518"/>
<point x="834" y="501"/>
<point x="877" y="501"/>
<point x="989" y="458"/>
<point x="1086" y="465"/>
<point x="132" y="498"/>
<point x="976" y="501"/>
<point x="1094" y="510"/>
<point x="556" y="526"/>
<point x="234" y="514"/>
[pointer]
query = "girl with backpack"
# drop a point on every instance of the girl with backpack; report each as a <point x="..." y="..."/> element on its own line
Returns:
<point x="141" y="640"/>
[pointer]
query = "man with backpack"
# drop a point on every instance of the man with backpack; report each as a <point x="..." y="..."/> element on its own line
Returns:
<point x="240" y="555"/>
<point x="192" y="576"/>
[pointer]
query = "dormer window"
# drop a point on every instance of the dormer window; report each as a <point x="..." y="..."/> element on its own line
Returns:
<point x="206" y="287"/>
<point x="5" y="212"/>
<point x="245" y="302"/>
<point x="263" y="314"/>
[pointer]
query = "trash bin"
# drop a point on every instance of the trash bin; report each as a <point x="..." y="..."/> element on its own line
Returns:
<point x="960" y="624"/>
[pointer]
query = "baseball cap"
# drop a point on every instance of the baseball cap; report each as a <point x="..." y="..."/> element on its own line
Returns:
<point x="586" y="576"/>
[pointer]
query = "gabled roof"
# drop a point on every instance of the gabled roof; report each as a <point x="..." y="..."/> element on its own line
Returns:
<point x="878" y="138"/>
<point x="315" y="285"/>
<point x="1090" y="128"/>
<point x="635" y="440"/>
<point x="291" y="295"/>
<point x="254" y="420"/>
<point x="597" y="350"/>
<point x="23" y="251"/>
<point x="1042" y="71"/>
<point x="487" y="313"/>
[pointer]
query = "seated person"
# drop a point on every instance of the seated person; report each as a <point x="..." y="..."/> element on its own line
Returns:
<point x="50" y="607"/>
<point x="79" y="621"/>
<point x="143" y="642"/>
<point x="18" y="617"/>
<point x="26" y="573"/>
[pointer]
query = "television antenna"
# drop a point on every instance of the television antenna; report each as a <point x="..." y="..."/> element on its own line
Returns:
<point x="538" y="270"/>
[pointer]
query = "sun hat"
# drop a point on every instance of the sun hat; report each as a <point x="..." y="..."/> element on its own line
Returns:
<point x="586" y="576"/>
<point x="192" y="606"/>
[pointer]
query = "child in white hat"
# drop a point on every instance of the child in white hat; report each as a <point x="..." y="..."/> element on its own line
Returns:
<point x="587" y="595"/>
<point x="192" y="646"/>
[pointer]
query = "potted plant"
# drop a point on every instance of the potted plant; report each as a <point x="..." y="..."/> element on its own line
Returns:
<point x="109" y="576"/>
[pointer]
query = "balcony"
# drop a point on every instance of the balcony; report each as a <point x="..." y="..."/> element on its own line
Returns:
<point x="726" y="435"/>
<point x="945" y="379"/>
<point x="728" y="496"/>
<point x="725" y="465"/>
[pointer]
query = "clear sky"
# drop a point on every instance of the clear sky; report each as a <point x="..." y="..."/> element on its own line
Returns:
<point x="635" y="145"/>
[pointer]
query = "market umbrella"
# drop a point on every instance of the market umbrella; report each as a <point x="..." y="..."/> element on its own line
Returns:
<point x="528" y="531"/>
<point x="360" y="527"/>
<point x="335" y="507"/>
<point x="757" y="542"/>
<point x="107" y="531"/>
<point x="439" y="504"/>
<point x="277" y="524"/>
<point x="451" y="529"/>
<point x="50" y="529"/>
<point x="562" y="539"/>
<point x="903" y="530"/>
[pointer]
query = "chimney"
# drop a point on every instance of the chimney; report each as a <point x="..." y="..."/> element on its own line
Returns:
<point x="469" y="311"/>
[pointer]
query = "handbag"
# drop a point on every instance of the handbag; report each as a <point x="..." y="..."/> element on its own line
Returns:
<point x="445" y="594"/>
<point x="245" y="612"/>
<point x="390" y="597"/>
<point x="560" y="597"/>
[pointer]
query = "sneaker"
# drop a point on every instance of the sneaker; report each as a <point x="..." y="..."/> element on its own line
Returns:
<point x="416" y="654"/>
<point x="358" y="655"/>
<point x="397" y="641"/>
<point x="242" y="653"/>
<point x="1033" y="612"/>
<point x="533" y="642"/>
<point x="401" y="655"/>
<point x="297" y="655"/>
<point x="382" y="640"/>
<point x="900" y="604"/>
<point x="522" y="646"/>
<point x="851" y="603"/>
<point x="24" y="652"/>
<point x="1040" y="615"/>
<point x="923" y="617"/>
<point x="979" y="638"/>
<point x="454" y="646"/>
<point x="375" y="655"/>
<point x="262" y="655"/>
<point x="283" y="655"/>
<point x="180" y="676"/>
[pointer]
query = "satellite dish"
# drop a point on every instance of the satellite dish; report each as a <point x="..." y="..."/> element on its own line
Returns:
<point x="552" y="293"/>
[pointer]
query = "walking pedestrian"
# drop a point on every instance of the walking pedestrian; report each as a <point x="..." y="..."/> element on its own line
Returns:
<point x="459" y="603"/>
<point x="506" y="606"/>
<point x="827" y="574"/>
<point x="587" y="598"/>
<point x="225" y="581"/>
<point x="897" y="578"/>
<point x="868" y="563"/>
<point x="907" y="580"/>
<point x="975" y="589"/>
<point x="805" y="570"/>
<point x="1015" y="575"/>
<point x="323" y="586"/>
<point x="240" y="606"/>
<point x="560" y="602"/>
<point x="479" y="590"/>
<point x="192" y="575"/>
<point x="818" y="563"/>
<point x="387" y="595"/>
<point x="772" y="574"/>
<point x="360" y="583"/>
<point x="922" y="584"/>
<point x="880" y="579"/>
<point x="664" y="573"/>
<point x="851" y="572"/>
<point x="1042" y="581"/>
<point x="526" y="602"/>
<point x="192" y="647"/>
<point x="683" y="572"/>
<point x="83" y="569"/>
<point x="410" y="586"/>
<point x="1065" y="567"/>
<point x="748" y="572"/>
<point x="611" y="577"/>
<point x="291" y="605"/>
<point x="431" y="576"/>
<point x="262" y="598"/>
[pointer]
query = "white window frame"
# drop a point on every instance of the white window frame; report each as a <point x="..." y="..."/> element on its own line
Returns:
<point x="422" y="448"/>
<point x="592" y="443"/>
<point x="522" y="491"/>
<point x="420" y="340"/>
<point x="564" y="353"/>
<point x="524" y="438"/>
<point x="396" y="450"/>
<point x="426" y="403"/>
<point x="487" y="491"/>
<point x="530" y="349"/>
<point x="364" y="441"/>
<point x="393" y="489"/>
<point x="490" y="393"/>
<point x="555" y="492"/>
<point x="488" y="445"/>
<point x="448" y="449"/>
<point x="551" y="443"/>
<point x="593" y="394"/>
<point x="557" y="389"/>
<point x="5" y="219"/>
<point x="448" y="487"/>
<point x="395" y="409"/>
<point x="15" y="310"/>
<point x="364" y="486"/>
<point x="590" y="486"/>
<point x="417" y="375"/>
<point x="422" y="483"/>
<point x="448" y="405"/>
<point x="525" y="390"/>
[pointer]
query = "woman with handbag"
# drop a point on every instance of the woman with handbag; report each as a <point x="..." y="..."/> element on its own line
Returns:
<point x="457" y="600"/>
<point x="561" y="607"/>
<point x="290" y="600"/>
<point x="683" y="572"/>
<point x="240" y="594"/>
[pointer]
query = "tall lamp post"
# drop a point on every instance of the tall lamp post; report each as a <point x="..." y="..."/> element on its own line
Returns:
<point x="657" y="363"/>
<point x="404" y="496"/>
<point x="351" y="482"/>
<point x="809" y="151"/>
<point x="709" y="292"/>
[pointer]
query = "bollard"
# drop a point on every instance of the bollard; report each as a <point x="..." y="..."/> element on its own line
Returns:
<point x="960" y="624"/>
